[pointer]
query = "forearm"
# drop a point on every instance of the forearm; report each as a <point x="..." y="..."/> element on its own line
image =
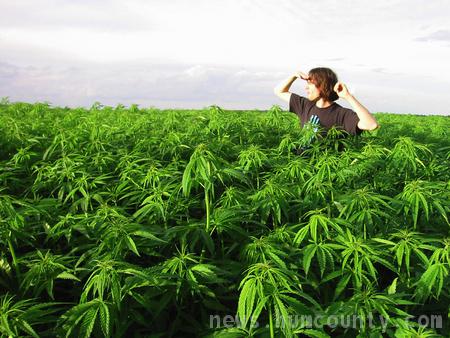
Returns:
<point x="366" y="119"/>
<point x="284" y="86"/>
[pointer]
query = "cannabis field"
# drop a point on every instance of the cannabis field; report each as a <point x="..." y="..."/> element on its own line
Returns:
<point x="130" y="222"/>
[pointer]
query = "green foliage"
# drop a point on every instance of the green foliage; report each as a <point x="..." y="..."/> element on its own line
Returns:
<point x="142" y="222"/>
<point x="425" y="198"/>
<point x="21" y="317"/>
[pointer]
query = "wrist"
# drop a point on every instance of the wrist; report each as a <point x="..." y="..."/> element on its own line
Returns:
<point x="348" y="97"/>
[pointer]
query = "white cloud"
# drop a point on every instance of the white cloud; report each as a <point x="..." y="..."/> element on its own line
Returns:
<point x="440" y="35"/>
<point x="198" y="86"/>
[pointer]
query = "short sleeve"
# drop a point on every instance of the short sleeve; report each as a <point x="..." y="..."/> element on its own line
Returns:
<point x="350" y="122"/>
<point x="297" y="104"/>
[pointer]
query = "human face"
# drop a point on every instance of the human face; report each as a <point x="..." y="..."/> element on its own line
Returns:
<point x="312" y="92"/>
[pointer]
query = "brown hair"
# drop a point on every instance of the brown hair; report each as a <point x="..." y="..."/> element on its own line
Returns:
<point x="325" y="80"/>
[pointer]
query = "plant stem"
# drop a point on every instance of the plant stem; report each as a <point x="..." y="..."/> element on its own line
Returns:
<point x="272" y="334"/>
<point x="207" y="209"/>
<point x="14" y="260"/>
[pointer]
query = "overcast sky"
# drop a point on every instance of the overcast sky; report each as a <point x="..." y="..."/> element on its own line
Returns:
<point x="191" y="54"/>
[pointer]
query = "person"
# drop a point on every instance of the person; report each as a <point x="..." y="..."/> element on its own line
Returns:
<point x="320" y="108"/>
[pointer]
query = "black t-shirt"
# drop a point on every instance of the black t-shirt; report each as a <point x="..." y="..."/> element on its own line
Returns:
<point x="334" y="115"/>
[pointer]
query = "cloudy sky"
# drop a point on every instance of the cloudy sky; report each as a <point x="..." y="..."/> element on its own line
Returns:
<point x="191" y="54"/>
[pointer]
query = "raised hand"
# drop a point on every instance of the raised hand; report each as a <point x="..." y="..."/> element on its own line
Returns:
<point x="341" y="89"/>
<point x="301" y="75"/>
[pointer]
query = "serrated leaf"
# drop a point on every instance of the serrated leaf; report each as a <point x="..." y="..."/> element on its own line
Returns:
<point x="341" y="286"/>
<point x="307" y="257"/>
<point x="149" y="235"/>
<point x="67" y="275"/>
<point x="131" y="245"/>
<point x="104" y="319"/>
<point x="89" y="321"/>
<point x="246" y="301"/>
<point x="393" y="287"/>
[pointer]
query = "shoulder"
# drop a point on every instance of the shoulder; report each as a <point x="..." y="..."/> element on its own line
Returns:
<point x="297" y="103"/>
<point x="295" y="98"/>
<point x="343" y="112"/>
<point x="348" y="119"/>
<point x="337" y="107"/>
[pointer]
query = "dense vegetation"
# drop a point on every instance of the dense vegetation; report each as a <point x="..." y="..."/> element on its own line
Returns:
<point x="143" y="222"/>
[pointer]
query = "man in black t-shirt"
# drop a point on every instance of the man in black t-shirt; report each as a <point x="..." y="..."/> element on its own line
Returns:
<point x="322" y="89"/>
